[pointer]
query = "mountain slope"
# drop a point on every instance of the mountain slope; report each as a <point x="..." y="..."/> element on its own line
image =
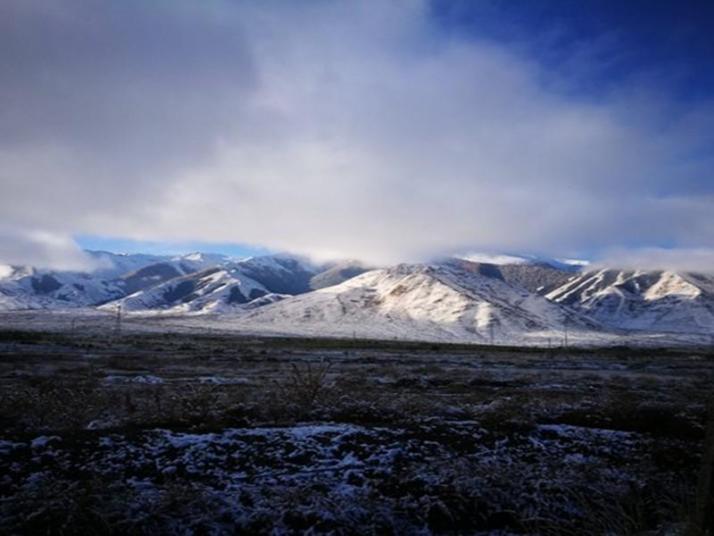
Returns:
<point x="642" y="300"/>
<point x="281" y="274"/>
<point x="116" y="275"/>
<point x="28" y="288"/>
<point x="534" y="277"/>
<point x="507" y="300"/>
<point x="219" y="288"/>
<point x="169" y="268"/>
<point x="450" y="300"/>
<point x="210" y="290"/>
<point x="336" y="273"/>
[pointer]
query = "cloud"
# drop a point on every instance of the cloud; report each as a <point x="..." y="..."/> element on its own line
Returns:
<point x="355" y="129"/>
<point x="42" y="249"/>
<point x="675" y="259"/>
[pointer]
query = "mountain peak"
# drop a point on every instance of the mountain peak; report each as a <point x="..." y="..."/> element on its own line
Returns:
<point x="461" y="298"/>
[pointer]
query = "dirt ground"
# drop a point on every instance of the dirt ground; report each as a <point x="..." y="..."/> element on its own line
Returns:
<point x="185" y="433"/>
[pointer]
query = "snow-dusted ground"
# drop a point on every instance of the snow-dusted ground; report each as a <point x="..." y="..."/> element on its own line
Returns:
<point x="180" y="433"/>
<point x="334" y="476"/>
<point x="91" y="321"/>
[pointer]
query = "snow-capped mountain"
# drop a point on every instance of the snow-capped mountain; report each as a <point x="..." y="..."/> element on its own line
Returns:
<point x="210" y="290"/>
<point x="27" y="288"/>
<point x="642" y="300"/>
<point x="452" y="299"/>
<point x="116" y="275"/>
<point x="166" y="269"/>
<point x="219" y="288"/>
<point x="500" y="298"/>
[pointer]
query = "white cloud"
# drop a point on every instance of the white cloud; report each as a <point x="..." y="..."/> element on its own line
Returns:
<point x="345" y="129"/>
<point x="43" y="250"/>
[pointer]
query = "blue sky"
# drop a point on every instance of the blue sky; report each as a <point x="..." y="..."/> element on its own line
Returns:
<point x="125" y="245"/>
<point x="386" y="131"/>
<point x="668" y="40"/>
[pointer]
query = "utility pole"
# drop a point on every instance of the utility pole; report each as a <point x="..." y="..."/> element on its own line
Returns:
<point x="118" y="320"/>
<point x="565" y="327"/>
<point x="490" y="332"/>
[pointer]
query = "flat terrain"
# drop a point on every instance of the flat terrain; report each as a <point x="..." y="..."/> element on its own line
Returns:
<point x="183" y="433"/>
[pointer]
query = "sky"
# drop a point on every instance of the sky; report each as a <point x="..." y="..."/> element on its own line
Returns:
<point x="387" y="131"/>
<point x="175" y="247"/>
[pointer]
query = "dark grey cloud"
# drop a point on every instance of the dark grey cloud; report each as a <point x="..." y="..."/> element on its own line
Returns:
<point x="329" y="128"/>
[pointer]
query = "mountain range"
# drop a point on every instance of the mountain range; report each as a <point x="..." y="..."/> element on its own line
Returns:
<point x="475" y="298"/>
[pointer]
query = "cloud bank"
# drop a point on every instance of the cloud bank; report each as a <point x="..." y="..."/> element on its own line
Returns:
<point x="334" y="129"/>
<point x="690" y="259"/>
<point x="42" y="249"/>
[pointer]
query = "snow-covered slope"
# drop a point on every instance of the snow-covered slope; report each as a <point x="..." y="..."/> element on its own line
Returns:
<point x="28" y="288"/>
<point x="116" y="275"/>
<point x="159" y="272"/>
<point x="449" y="300"/>
<point x="211" y="290"/>
<point x="502" y="298"/>
<point x="642" y="300"/>
<point x="222" y="287"/>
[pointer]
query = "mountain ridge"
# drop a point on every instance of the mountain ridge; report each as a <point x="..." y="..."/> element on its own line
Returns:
<point x="510" y="299"/>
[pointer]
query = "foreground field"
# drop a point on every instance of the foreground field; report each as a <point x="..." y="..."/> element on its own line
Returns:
<point x="182" y="433"/>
